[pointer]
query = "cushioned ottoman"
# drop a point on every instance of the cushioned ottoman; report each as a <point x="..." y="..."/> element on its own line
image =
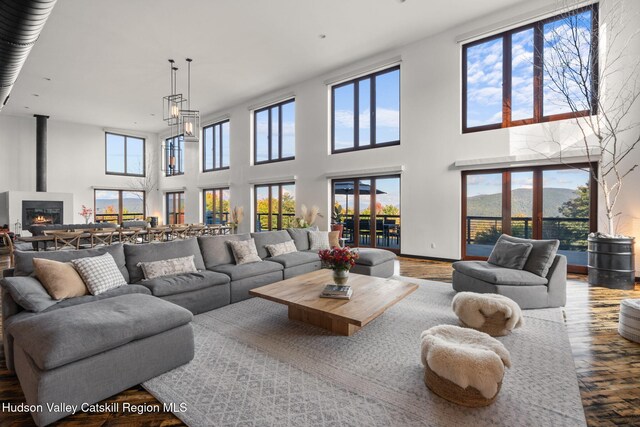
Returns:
<point x="88" y="352"/>
<point x="493" y="314"/>
<point x="629" y="320"/>
<point x="375" y="262"/>
<point x="463" y="366"/>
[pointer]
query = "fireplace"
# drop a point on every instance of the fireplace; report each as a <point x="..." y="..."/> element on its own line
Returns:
<point x="35" y="212"/>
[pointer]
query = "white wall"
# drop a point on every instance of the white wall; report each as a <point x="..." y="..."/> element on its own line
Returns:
<point x="431" y="141"/>
<point x="76" y="160"/>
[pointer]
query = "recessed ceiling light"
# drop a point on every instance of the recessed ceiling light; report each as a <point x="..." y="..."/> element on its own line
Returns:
<point x="152" y="115"/>
<point x="35" y="94"/>
<point x="47" y="79"/>
<point x="26" y="108"/>
<point x="322" y="36"/>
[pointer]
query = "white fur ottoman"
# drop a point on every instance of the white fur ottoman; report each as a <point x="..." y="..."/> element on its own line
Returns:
<point x="462" y="365"/>
<point x="629" y="320"/>
<point x="494" y="314"/>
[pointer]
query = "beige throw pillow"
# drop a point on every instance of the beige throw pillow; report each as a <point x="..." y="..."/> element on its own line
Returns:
<point x="168" y="267"/>
<point x="281" y="248"/>
<point x="244" y="251"/>
<point x="60" y="279"/>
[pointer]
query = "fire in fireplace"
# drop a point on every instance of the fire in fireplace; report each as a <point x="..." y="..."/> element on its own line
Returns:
<point x="36" y="212"/>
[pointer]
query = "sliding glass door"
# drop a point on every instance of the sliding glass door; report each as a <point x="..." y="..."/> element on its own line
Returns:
<point x="275" y="206"/>
<point x="369" y="211"/>
<point x="116" y="206"/>
<point x="175" y="207"/>
<point x="554" y="202"/>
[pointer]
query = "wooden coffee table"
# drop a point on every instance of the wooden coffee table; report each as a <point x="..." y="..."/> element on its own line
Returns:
<point x="371" y="297"/>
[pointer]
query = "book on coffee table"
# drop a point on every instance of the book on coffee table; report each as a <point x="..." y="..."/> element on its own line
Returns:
<point x="335" y="291"/>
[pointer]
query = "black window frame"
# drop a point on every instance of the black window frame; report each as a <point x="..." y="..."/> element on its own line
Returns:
<point x="173" y="194"/>
<point x="269" y="108"/>
<point x="218" y="191"/>
<point x="372" y="114"/>
<point x="126" y="139"/>
<point x="120" y="214"/>
<point x="217" y="146"/>
<point x="280" y="186"/>
<point x="169" y="149"/>
<point x="538" y="72"/>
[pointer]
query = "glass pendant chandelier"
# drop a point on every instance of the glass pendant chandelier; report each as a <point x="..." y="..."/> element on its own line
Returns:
<point x="190" y="119"/>
<point x="172" y="103"/>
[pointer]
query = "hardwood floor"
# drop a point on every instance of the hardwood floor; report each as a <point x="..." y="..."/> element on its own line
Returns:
<point x="607" y="365"/>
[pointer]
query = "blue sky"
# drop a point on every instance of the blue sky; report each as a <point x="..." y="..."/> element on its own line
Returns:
<point x="492" y="183"/>
<point x="387" y="111"/>
<point x="484" y="72"/>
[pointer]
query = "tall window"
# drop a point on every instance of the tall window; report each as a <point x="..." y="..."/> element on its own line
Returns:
<point x="369" y="210"/>
<point x="117" y="206"/>
<point x="215" y="147"/>
<point x="554" y="202"/>
<point x="174" y="156"/>
<point x="175" y="207"/>
<point x="124" y="155"/>
<point x="275" y="206"/>
<point x="274" y="134"/>
<point x="216" y="206"/>
<point x="366" y="112"/>
<point x="537" y="73"/>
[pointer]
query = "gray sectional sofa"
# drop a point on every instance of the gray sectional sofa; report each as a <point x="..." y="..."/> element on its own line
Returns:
<point x="88" y="348"/>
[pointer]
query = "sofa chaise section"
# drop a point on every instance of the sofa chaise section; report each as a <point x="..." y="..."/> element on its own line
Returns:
<point x="527" y="289"/>
<point x="88" y="352"/>
<point x="197" y="292"/>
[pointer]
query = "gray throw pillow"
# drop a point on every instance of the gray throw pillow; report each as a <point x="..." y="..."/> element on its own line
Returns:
<point x="510" y="255"/>
<point x="28" y="293"/>
<point x="542" y="254"/>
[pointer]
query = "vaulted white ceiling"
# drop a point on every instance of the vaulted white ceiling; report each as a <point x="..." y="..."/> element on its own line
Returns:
<point x="107" y="60"/>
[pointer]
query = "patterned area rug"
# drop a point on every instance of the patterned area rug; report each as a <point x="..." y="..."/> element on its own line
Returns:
<point x="254" y="367"/>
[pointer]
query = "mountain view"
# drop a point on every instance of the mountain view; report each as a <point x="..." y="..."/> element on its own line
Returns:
<point x="133" y="204"/>
<point x="521" y="202"/>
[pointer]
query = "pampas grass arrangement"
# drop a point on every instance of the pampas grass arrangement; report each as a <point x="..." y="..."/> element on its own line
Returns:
<point x="237" y="216"/>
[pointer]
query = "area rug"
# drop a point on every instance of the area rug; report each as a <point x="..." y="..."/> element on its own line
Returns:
<point x="253" y="366"/>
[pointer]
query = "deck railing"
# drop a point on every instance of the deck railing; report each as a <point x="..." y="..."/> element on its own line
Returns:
<point x="572" y="232"/>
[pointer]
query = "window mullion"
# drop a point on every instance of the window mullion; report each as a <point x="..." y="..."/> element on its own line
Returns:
<point x="356" y="113"/>
<point x="269" y="134"/>
<point x="538" y="46"/>
<point x="506" y="80"/>
<point x="372" y="113"/>
<point x="280" y="131"/>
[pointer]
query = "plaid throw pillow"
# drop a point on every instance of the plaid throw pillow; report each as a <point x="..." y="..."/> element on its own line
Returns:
<point x="100" y="273"/>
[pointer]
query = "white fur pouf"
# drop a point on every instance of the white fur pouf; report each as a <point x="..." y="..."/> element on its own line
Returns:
<point x="494" y="314"/>
<point x="462" y="365"/>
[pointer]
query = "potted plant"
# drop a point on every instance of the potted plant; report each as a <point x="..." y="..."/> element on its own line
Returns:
<point x="336" y="219"/>
<point x="340" y="260"/>
<point x="602" y="96"/>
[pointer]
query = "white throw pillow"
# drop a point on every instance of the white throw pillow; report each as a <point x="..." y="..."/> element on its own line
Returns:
<point x="100" y="273"/>
<point x="281" y="248"/>
<point x="319" y="240"/>
<point x="168" y="267"/>
<point x="244" y="251"/>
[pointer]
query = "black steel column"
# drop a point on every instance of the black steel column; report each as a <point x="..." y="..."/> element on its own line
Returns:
<point x="41" y="152"/>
